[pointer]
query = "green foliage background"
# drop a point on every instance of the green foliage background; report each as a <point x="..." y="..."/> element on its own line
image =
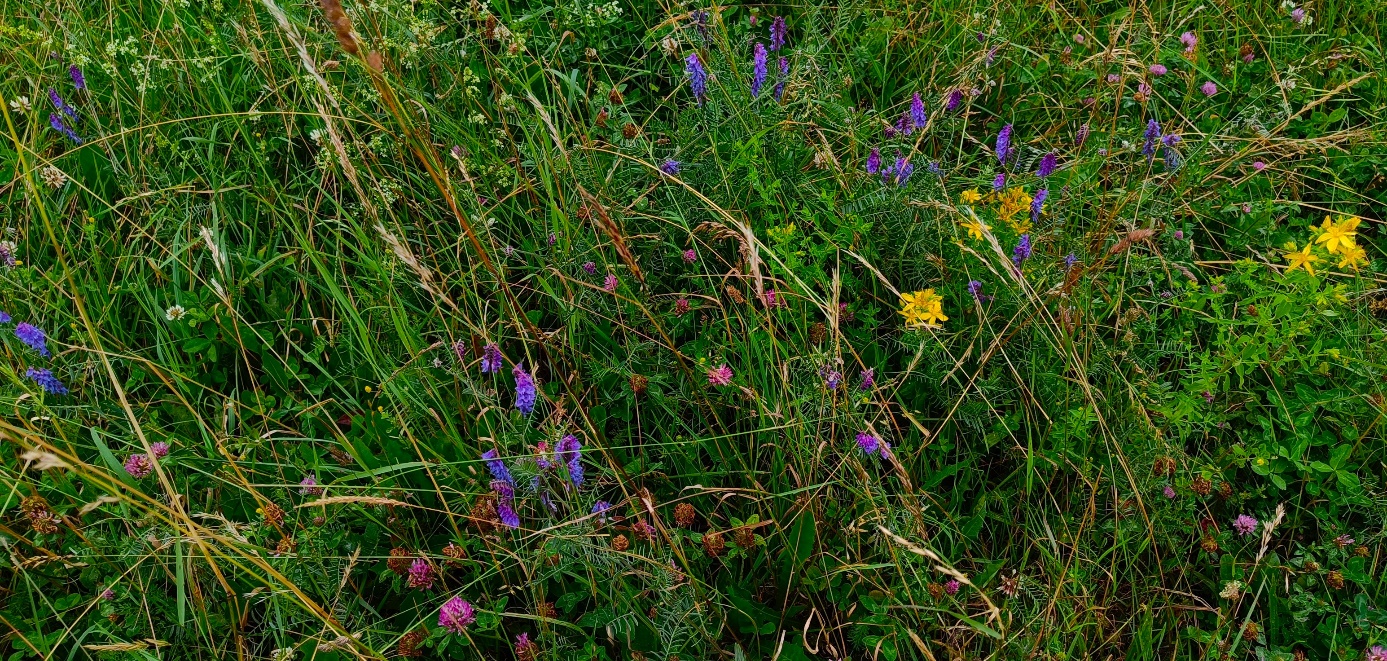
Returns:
<point x="343" y="233"/>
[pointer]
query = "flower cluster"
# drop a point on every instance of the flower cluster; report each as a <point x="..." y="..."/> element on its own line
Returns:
<point x="525" y="391"/>
<point x="923" y="309"/>
<point x="570" y="451"/>
<point x="1336" y="238"/>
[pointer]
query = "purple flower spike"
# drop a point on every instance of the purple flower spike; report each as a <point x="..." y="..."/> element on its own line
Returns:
<point x="497" y="467"/>
<point x="917" y="112"/>
<point x="874" y="161"/>
<point x="570" y="451"/>
<point x="1038" y="204"/>
<point x="778" y="33"/>
<point x="491" y="359"/>
<point x="698" y="77"/>
<point x="999" y="182"/>
<point x="868" y="443"/>
<point x="955" y="100"/>
<point x="670" y="167"/>
<point x="78" y="80"/>
<point x="868" y="380"/>
<point x="33" y="337"/>
<point x="1153" y="133"/>
<point x="1004" y="144"/>
<point x="1048" y="163"/>
<point x="46" y="380"/>
<point x="524" y="389"/>
<point x="758" y="70"/>
<point x="505" y="503"/>
<point x="1022" y="251"/>
<point x="784" y="74"/>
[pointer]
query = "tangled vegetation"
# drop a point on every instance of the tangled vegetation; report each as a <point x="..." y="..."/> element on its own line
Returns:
<point x="567" y="330"/>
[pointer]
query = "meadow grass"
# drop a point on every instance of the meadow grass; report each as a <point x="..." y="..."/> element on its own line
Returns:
<point x="569" y="330"/>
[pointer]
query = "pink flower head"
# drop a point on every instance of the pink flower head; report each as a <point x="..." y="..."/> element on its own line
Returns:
<point x="1169" y="492"/>
<point x="1244" y="524"/>
<point x="456" y="615"/>
<point x="160" y="449"/>
<point x="1190" y="41"/>
<point x="139" y="466"/>
<point x="308" y="486"/>
<point x="1079" y="38"/>
<point x="590" y="267"/>
<point x="690" y="256"/>
<point x="721" y="376"/>
<point x="771" y="300"/>
<point x="610" y="283"/>
<point x="952" y="586"/>
<point x="1298" y="15"/>
<point x="1113" y="78"/>
<point x="421" y="576"/>
<point x="1258" y="166"/>
<point x="681" y="307"/>
<point x="1249" y="57"/>
<point x="1343" y="540"/>
<point x="1143" y="89"/>
<point x="1159" y="69"/>
<point x="1209" y="88"/>
<point x="1377" y="653"/>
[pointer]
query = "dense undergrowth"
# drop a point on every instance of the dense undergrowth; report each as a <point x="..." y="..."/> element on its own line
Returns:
<point x="569" y="330"/>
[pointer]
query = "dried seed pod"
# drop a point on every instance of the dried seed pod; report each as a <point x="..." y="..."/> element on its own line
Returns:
<point x="713" y="544"/>
<point x="684" y="515"/>
<point x="620" y="543"/>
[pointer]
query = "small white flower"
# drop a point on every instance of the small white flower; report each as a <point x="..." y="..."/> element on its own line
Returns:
<point x="1232" y="590"/>
<point x="53" y="177"/>
<point x="20" y="104"/>
<point x="175" y="312"/>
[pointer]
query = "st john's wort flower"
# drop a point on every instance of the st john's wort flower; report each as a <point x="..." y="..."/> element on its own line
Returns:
<point x="524" y="389"/>
<point x="491" y="359"/>
<point x="1048" y="163"/>
<point x="1004" y="144"/>
<point x="34" y="337"/>
<point x="778" y="33"/>
<point x="139" y="466"/>
<point x="456" y="615"/>
<point x="698" y="77"/>
<point x="1244" y="524"/>
<point x="720" y="376"/>
<point x="45" y="379"/>
<point x="874" y="161"/>
<point x="758" y="69"/>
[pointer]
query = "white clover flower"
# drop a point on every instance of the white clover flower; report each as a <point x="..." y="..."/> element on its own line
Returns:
<point x="175" y="312"/>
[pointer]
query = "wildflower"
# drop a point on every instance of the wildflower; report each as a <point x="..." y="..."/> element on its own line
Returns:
<point x="1113" y="78"/>
<point x="609" y="283"/>
<point x="1337" y="237"/>
<point x="525" y="648"/>
<point x="721" y="376"/>
<point x="1048" y="163"/>
<point x="1302" y="259"/>
<point x="903" y="124"/>
<point x="139" y="466"/>
<point x="833" y="379"/>
<point x="1078" y="38"/>
<point x="5" y="318"/>
<point x="1003" y="144"/>
<point x="784" y="72"/>
<point x="46" y="380"/>
<point x="670" y="167"/>
<point x="1298" y="15"/>
<point x="698" y="77"/>
<point x="1158" y="69"/>
<point x="999" y="182"/>
<point x="1143" y="91"/>
<point x="903" y="171"/>
<point x="61" y="106"/>
<point x="917" y="112"/>
<point x="505" y="503"/>
<point x="955" y="100"/>
<point x="771" y="299"/>
<point x="600" y="509"/>
<point x="524" y="388"/>
<point x="970" y="196"/>
<point x="975" y="288"/>
<point x="922" y="309"/>
<point x="491" y="359"/>
<point x="778" y="32"/>
<point x="421" y="575"/>
<point x="1209" y="88"/>
<point x="758" y="75"/>
<point x="1353" y="255"/>
<point x="33" y="337"/>
<point x="1247" y="54"/>
<point x="690" y="256"/>
<point x="57" y="123"/>
<point x="1010" y="586"/>
<point x="1038" y="204"/>
<point x="497" y="467"/>
<point x="308" y="486"/>
<point x="1081" y="136"/>
<point x="1244" y="524"/>
<point x="868" y="443"/>
<point x="976" y="229"/>
<point x="1168" y="492"/>
<point x="21" y="104"/>
<point x="874" y="161"/>
<point x="78" y="80"/>
<point x="868" y="378"/>
<point x="590" y="267"/>
<point x="1376" y="653"/>
<point x="570" y="451"/>
<point x="951" y="587"/>
<point x="681" y="307"/>
<point x="456" y="615"/>
<point x="1022" y="251"/>
<point x="1231" y="590"/>
<point x="160" y="449"/>
<point x="1153" y="133"/>
<point x="53" y="177"/>
<point x="1259" y="166"/>
<point x="934" y="168"/>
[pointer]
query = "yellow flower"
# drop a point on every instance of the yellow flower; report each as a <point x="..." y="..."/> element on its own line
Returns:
<point x="1302" y="258"/>
<point x="1353" y="255"/>
<point x="934" y="316"/>
<point x="1012" y="202"/>
<point x="970" y="196"/>
<point x="976" y="228"/>
<point x="1334" y="236"/>
<point x="922" y="308"/>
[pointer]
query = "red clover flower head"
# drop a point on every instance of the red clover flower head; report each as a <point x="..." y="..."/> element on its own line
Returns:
<point x="1190" y="41"/>
<point x="720" y="376"/>
<point x="1159" y="69"/>
<point x="590" y="267"/>
<point x="951" y="587"/>
<point x="160" y="449"/>
<point x="456" y="615"/>
<point x="1209" y="88"/>
<point x="1376" y="653"/>
<point x="421" y="574"/>
<point x="308" y="486"/>
<point x="609" y="283"/>
<point x="139" y="466"/>
<point x="1343" y="540"/>
<point x="681" y="307"/>
<point x="1244" y="524"/>
<point x="690" y="256"/>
